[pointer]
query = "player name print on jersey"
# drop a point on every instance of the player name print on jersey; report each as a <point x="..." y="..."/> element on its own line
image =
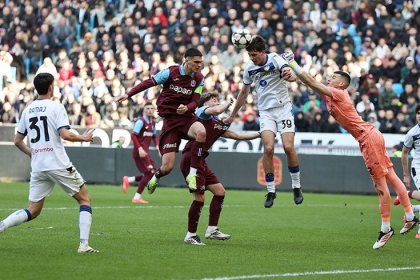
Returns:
<point x="37" y="109"/>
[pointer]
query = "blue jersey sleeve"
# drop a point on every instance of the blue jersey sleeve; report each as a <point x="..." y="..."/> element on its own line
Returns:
<point x="138" y="126"/>
<point x="201" y="113"/>
<point x="162" y="76"/>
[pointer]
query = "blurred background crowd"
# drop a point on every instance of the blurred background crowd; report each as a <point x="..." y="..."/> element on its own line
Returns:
<point x="100" y="49"/>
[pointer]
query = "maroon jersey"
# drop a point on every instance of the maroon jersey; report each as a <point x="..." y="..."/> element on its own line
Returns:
<point x="143" y="132"/>
<point x="178" y="88"/>
<point x="214" y="129"/>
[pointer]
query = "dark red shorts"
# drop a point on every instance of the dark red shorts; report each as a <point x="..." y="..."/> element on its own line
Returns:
<point x="205" y="177"/>
<point x="145" y="164"/>
<point x="174" y="129"/>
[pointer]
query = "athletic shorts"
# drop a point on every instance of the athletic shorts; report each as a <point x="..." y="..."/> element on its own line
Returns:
<point x="415" y="174"/>
<point x="42" y="182"/>
<point x="205" y="177"/>
<point x="145" y="164"/>
<point x="375" y="154"/>
<point x="278" y="119"/>
<point x="174" y="129"/>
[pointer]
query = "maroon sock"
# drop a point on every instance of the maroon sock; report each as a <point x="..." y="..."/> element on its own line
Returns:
<point x="138" y="178"/>
<point x="215" y="209"/>
<point x="410" y="194"/>
<point x="197" y="155"/>
<point x="159" y="173"/>
<point x="143" y="182"/>
<point x="194" y="215"/>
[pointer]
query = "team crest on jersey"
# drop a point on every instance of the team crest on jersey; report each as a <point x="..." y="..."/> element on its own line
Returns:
<point x="193" y="83"/>
<point x="267" y="67"/>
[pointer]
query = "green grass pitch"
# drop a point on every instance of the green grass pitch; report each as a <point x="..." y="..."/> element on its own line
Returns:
<point x="327" y="237"/>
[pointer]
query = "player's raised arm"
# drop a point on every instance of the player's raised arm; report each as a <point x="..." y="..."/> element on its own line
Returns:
<point x="218" y="109"/>
<point x="160" y="78"/>
<point x="240" y="101"/>
<point x="241" y="135"/>
<point x="304" y="76"/>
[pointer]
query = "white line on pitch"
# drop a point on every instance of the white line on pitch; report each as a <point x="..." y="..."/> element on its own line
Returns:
<point x="333" y="272"/>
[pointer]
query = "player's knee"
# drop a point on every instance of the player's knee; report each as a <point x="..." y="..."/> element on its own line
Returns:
<point x="269" y="150"/>
<point x="199" y="197"/>
<point x="289" y="148"/>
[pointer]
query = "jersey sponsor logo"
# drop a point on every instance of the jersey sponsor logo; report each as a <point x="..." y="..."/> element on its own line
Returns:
<point x="263" y="83"/>
<point x="221" y="127"/>
<point x="37" y="109"/>
<point x="169" y="145"/>
<point x="147" y="133"/>
<point x="42" y="150"/>
<point x="267" y="68"/>
<point x="416" y="137"/>
<point x="179" y="89"/>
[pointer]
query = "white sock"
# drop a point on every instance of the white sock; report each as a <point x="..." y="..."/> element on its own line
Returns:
<point x="85" y="221"/>
<point x="385" y="227"/>
<point x="295" y="179"/>
<point x="137" y="195"/>
<point x="16" y="218"/>
<point x="131" y="179"/>
<point x="409" y="215"/>
<point x="193" y="171"/>
<point x="211" y="228"/>
<point x="190" y="234"/>
<point x="271" y="187"/>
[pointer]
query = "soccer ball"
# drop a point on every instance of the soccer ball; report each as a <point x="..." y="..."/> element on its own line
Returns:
<point x="241" y="38"/>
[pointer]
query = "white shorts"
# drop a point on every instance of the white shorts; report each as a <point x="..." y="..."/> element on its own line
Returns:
<point x="278" y="119"/>
<point x="42" y="183"/>
<point x="415" y="174"/>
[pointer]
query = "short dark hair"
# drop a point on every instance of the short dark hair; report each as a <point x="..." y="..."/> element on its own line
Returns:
<point x="257" y="44"/>
<point x="42" y="82"/>
<point x="345" y="75"/>
<point x="417" y="108"/>
<point x="206" y="97"/>
<point x="191" y="52"/>
<point x="148" y="103"/>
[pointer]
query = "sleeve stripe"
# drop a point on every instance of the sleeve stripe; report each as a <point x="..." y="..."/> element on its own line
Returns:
<point x="65" y="126"/>
<point x="23" y="133"/>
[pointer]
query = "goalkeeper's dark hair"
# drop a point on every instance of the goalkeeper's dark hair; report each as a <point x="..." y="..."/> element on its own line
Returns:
<point x="42" y="82"/>
<point x="206" y="97"/>
<point x="257" y="44"/>
<point x="346" y="77"/>
<point x="191" y="52"/>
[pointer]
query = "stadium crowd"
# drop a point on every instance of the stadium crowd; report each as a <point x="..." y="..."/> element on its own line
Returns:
<point x="100" y="49"/>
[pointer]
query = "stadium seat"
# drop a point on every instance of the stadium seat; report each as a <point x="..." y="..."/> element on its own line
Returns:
<point x="398" y="88"/>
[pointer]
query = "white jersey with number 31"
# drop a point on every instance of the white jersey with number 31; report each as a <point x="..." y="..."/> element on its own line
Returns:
<point x="272" y="90"/>
<point x="41" y="122"/>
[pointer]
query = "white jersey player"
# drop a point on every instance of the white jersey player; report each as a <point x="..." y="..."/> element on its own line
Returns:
<point x="270" y="73"/>
<point x="412" y="142"/>
<point x="45" y="123"/>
